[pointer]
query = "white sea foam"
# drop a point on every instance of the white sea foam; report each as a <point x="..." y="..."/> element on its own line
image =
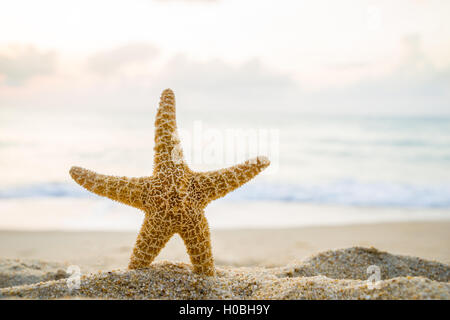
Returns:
<point x="344" y="192"/>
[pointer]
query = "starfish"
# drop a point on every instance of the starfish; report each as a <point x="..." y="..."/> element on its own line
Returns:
<point x="174" y="197"/>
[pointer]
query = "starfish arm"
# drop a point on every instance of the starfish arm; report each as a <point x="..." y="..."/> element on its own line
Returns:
<point x="168" y="151"/>
<point x="152" y="238"/>
<point x="126" y="190"/>
<point x="216" y="184"/>
<point x="197" y="238"/>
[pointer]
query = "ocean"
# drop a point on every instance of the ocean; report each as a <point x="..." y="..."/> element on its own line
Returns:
<point x="326" y="169"/>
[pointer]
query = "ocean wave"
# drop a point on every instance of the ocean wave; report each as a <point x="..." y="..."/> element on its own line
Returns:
<point x="352" y="193"/>
<point x="44" y="190"/>
<point x="343" y="192"/>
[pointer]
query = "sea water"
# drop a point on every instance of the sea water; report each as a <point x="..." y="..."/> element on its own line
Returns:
<point x="326" y="169"/>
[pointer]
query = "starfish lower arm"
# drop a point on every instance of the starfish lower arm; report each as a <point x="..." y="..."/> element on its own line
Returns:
<point x="152" y="238"/>
<point x="196" y="237"/>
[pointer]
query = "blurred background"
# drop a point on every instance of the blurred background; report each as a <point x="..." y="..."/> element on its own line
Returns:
<point x="349" y="99"/>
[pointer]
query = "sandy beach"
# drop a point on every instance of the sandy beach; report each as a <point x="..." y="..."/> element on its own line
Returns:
<point x="94" y="251"/>
<point x="310" y="262"/>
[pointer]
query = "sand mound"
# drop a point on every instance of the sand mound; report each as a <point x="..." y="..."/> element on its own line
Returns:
<point x="352" y="263"/>
<point x="14" y="272"/>
<point x="329" y="275"/>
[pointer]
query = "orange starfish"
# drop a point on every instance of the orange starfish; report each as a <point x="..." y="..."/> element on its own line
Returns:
<point x="174" y="197"/>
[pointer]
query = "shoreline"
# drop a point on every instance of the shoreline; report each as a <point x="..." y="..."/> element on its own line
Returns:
<point x="103" y="214"/>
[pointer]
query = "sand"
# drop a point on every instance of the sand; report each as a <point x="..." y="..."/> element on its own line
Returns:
<point x="301" y="263"/>
<point x="14" y="272"/>
<point x="335" y="274"/>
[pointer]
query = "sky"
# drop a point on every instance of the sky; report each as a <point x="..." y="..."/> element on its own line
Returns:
<point x="324" y="56"/>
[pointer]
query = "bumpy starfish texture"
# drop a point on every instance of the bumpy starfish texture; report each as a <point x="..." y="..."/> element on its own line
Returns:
<point x="173" y="197"/>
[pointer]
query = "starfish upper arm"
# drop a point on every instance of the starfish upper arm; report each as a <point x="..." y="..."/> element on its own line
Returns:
<point x="126" y="190"/>
<point x="216" y="184"/>
<point x="167" y="148"/>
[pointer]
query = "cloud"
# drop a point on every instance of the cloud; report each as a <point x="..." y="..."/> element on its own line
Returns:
<point x="205" y="85"/>
<point x="201" y="85"/>
<point x="216" y="82"/>
<point x="414" y="86"/>
<point x="112" y="61"/>
<point x="20" y="63"/>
